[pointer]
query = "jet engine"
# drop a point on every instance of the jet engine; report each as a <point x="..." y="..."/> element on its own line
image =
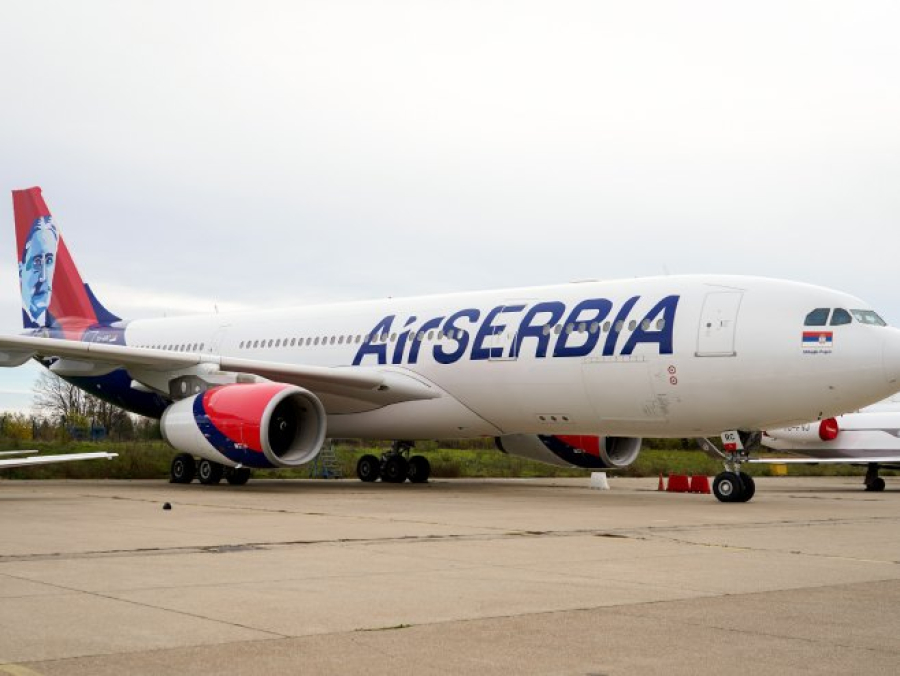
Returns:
<point x="586" y="451"/>
<point x="252" y="425"/>
<point x="826" y="430"/>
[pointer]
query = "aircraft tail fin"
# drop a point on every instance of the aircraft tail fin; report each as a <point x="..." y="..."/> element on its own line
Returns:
<point x="53" y="293"/>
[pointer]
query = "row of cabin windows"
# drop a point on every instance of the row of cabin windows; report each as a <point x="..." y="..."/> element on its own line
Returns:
<point x="182" y="347"/>
<point x="840" y="316"/>
<point x="581" y="327"/>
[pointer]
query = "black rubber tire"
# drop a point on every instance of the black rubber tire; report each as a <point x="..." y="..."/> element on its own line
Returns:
<point x="419" y="469"/>
<point x="727" y="487"/>
<point x="182" y="469"/>
<point x="877" y="485"/>
<point x="368" y="468"/>
<point x="749" y="487"/>
<point x="209" y="473"/>
<point x="237" y="476"/>
<point x="395" y="469"/>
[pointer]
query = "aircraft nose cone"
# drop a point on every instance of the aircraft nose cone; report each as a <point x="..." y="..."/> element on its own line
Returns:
<point x="892" y="357"/>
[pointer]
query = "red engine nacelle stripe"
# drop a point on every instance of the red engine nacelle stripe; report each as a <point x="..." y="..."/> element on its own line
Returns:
<point x="237" y="410"/>
<point x="585" y="442"/>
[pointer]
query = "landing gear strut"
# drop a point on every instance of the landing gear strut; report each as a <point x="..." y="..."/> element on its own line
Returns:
<point x="733" y="485"/>
<point x="873" y="481"/>
<point x="395" y="466"/>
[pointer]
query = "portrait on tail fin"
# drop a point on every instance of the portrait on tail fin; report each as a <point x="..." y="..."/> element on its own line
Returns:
<point x="37" y="263"/>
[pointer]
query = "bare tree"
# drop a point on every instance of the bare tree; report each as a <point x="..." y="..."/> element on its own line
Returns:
<point x="57" y="399"/>
<point x="67" y="404"/>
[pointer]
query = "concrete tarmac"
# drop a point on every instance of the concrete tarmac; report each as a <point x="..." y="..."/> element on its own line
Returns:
<point x="456" y="576"/>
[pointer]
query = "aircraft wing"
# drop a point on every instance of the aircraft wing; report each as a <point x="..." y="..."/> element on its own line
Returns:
<point x="336" y="385"/>
<point x="50" y="459"/>
<point x="861" y="460"/>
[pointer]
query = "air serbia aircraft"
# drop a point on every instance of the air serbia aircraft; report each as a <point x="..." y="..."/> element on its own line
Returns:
<point x="868" y="437"/>
<point x="573" y="374"/>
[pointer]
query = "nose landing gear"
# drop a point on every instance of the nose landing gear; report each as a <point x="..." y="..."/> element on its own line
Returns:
<point x="732" y="485"/>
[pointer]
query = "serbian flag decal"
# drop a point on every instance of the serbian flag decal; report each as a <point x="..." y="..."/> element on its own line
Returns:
<point x="818" y="338"/>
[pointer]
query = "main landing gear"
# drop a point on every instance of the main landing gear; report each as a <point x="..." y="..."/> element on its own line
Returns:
<point x="873" y="481"/>
<point x="184" y="468"/>
<point x="733" y="485"/>
<point x="395" y="466"/>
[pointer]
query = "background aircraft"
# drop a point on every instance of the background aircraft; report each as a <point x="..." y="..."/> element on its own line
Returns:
<point x="570" y="374"/>
<point x="869" y="437"/>
<point x="7" y="462"/>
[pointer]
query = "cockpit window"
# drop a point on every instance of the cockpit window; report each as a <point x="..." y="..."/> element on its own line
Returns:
<point x="818" y="317"/>
<point x="840" y="316"/>
<point x="868" y="317"/>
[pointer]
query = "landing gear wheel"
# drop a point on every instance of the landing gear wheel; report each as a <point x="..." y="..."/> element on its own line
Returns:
<point x="419" y="469"/>
<point x="209" y="473"/>
<point x="876" y="485"/>
<point x="728" y="487"/>
<point x="182" y="469"/>
<point x="395" y="469"/>
<point x="749" y="486"/>
<point x="237" y="476"/>
<point x="368" y="468"/>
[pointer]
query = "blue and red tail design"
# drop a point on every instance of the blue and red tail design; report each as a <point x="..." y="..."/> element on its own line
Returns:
<point x="53" y="293"/>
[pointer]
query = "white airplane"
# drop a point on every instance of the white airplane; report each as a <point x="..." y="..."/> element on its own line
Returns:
<point x="868" y="437"/>
<point x="9" y="462"/>
<point x="573" y="374"/>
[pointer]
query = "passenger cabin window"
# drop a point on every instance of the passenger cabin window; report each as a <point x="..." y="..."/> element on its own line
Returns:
<point x="840" y="317"/>
<point x="869" y="317"/>
<point x="818" y="317"/>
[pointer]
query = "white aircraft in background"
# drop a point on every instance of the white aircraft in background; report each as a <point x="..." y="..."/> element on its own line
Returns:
<point x="573" y="374"/>
<point x="869" y="437"/>
<point x="7" y="462"/>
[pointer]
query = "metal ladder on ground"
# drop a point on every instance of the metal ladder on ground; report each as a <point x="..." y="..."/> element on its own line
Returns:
<point x="326" y="465"/>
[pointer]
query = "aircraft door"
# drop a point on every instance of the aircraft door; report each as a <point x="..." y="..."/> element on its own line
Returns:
<point x="215" y="342"/>
<point x="501" y="344"/>
<point x="718" y="321"/>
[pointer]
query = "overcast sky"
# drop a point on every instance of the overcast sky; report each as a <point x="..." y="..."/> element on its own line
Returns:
<point x="267" y="153"/>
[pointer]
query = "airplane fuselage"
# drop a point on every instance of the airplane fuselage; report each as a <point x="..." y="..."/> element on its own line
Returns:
<point x="663" y="357"/>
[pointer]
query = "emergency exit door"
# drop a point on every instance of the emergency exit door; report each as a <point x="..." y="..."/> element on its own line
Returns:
<point x="718" y="322"/>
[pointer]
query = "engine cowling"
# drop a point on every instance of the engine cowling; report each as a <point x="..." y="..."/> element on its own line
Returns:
<point x="585" y="451"/>
<point x="825" y="430"/>
<point x="254" y="425"/>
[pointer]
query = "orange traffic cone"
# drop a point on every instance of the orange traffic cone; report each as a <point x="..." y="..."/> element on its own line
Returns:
<point x="700" y="484"/>
<point x="678" y="483"/>
<point x="662" y="484"/>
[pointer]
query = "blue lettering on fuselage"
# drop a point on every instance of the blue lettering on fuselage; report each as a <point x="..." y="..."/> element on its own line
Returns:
<point x="576" y="336"/>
